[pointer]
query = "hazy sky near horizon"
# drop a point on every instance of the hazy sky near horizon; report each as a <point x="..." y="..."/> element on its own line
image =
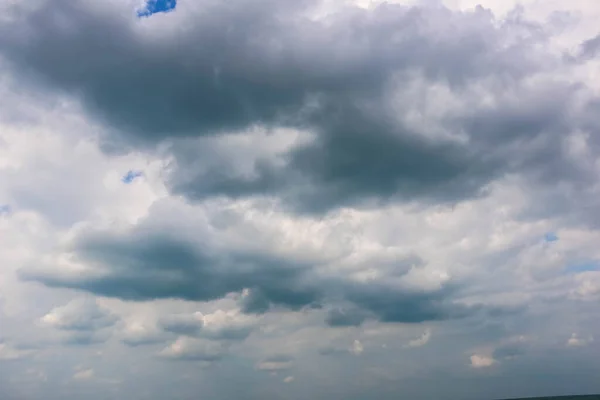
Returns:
<point x="309" y="199"/>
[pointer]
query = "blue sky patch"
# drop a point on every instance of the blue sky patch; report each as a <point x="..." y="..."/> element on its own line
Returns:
<point x="4" y="209"/>
<point x="550" y="237"/>
<point x="131" y="176"/>
<point x="583" y="267"/>
<point x="157" y="6"/>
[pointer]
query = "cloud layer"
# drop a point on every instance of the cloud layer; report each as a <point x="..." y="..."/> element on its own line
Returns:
<point x="339" y="199"/>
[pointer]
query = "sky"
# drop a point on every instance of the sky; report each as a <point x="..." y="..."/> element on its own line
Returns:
<point x="308" y="199"/>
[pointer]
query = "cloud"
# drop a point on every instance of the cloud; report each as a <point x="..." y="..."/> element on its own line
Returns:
<point x="333" y="351"/>
<point x="357" y="348"/>
<point x="576" y="341"/>
<point x="511" y="348"/>
<point x="152" y="261"/>
<point x="317" y="175"/>
<point x="346" y="317"/>
<point x="80" y="315"/>
<point x="79" y="338"/>
<point x="187" y="324"/>
<point x="219" y="325"/>
<point x="381" y="129"/>
<point x="189" y="349"/>
<point x="84" y="375"/>
<point x="288" y="379"/>
<point x="422" y="340"/>
<point x="140" y="334"/>
<point x="588" y="286"/>
<point x="227" y="325"/>
<point x="590" y="47"/>
<point x="83" y="320"/>
<point x="9" y="352"/>
<point x="482" y="361"/>
<point x="275" y="363"/>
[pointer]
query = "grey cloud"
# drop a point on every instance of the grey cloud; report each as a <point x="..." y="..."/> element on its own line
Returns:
<point x="187" y="324"/>
<point x="264" y="63"/>
<point x="151" y="263"/>
<point x="85" y="338"/>
<point x="11" y="351"/>
<point x="410" y="306"/>
<point x="346" y="317"/>
<point x="590" y="48"/>
<point x="82" y="321"/>
<point x="228" y="332"/>
<point x="238" y="65"/>
<point x="337" y="350"/>
<point x="260" y="299"/>
<point x="509" y="351"/>
<point x="275" y="363"/>
<point x="332" y="351"/>
<point x="143" y="334"/>
<point x="135" y="341"/>
<point x="187" y="349"/>
<point x="220" y="326"/>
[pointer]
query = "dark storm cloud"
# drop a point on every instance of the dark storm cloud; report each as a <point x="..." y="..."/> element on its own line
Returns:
<point x="150" y="264"/>
<point x="358" y="158"/>
<point x="262" y="62"/>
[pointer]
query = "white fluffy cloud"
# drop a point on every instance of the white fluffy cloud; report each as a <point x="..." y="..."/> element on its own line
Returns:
<point x="481" y="361"/>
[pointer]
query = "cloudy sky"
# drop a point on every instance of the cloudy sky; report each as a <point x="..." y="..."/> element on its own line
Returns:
<point x="307" y="199"/>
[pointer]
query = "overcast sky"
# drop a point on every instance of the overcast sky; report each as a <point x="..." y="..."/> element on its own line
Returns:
<point x="307" y="199"/>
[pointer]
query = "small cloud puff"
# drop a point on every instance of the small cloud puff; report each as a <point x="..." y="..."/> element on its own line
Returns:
<point x="357" y="348"/>
<point x="275" y="363"/>
<point x="83" y="375"/>
<point x="576" y="341"/>
<point x="481" y="361"/>
<point x="421" y="340"/>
